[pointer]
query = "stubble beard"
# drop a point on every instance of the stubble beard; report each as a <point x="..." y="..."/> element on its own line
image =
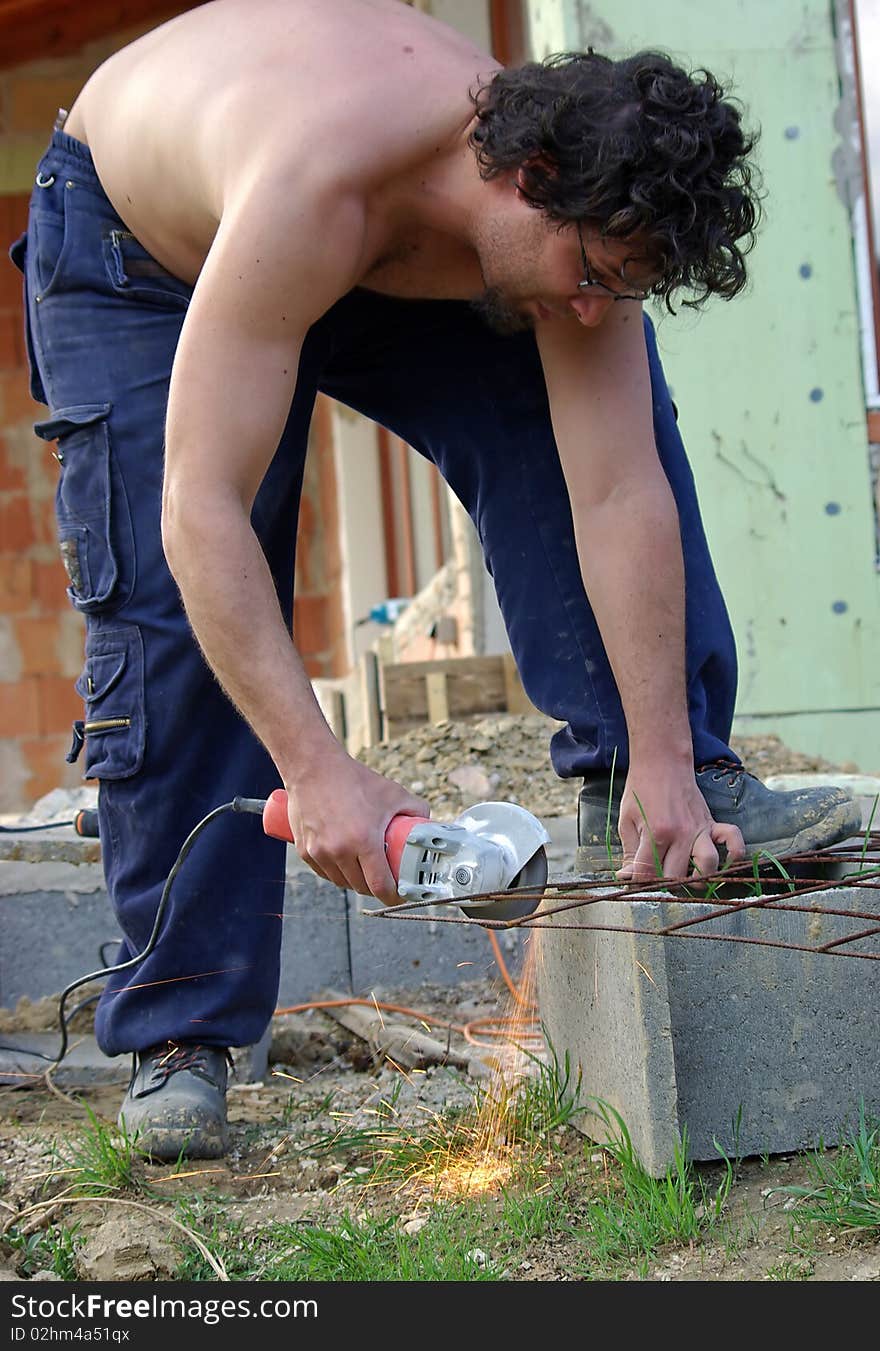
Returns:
<point x="508" y="261"/>
<point x="500" y="315"/>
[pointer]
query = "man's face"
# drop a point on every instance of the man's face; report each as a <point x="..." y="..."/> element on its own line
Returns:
<point x="533" y="269"/>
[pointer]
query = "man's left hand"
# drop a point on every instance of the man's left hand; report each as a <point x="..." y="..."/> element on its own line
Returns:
<point x="666" y="829"/>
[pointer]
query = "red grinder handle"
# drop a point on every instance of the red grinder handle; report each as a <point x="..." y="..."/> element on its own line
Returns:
<point x="277" y="824"/>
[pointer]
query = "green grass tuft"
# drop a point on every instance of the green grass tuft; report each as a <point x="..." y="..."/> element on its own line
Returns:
<point x="102" y="1159"/>
<point x="638" y="1213"/>
<point x="844" y="1188"/>
<point x="52" y="1249"/>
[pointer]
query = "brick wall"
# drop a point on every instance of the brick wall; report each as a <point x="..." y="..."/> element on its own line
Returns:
<point x="319" y="625"/>
<point x="40" y="635"/>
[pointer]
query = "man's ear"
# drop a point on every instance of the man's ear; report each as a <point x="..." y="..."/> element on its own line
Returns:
<point x="520" y="182"/>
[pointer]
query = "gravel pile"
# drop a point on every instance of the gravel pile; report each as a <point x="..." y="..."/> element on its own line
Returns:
<point x="505" y="757"/>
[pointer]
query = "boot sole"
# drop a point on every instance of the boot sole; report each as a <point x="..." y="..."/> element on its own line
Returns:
<point x="593" y="859"/>
<point x="170" y="1143"/>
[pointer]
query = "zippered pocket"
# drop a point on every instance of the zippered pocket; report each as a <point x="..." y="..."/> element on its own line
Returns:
<point x="112" y="689"/>
<point x="136" y="274"/>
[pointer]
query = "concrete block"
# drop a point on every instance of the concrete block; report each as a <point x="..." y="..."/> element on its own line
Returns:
<point x="314" y="936"/>
<point x="389" y="950"/>
<point x="54" y="917"/>
<point x="22" y="1061"/>
<point x="759" y="1048"/>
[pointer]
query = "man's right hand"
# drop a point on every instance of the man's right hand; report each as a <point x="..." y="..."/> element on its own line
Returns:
<point x="339" y="814"/>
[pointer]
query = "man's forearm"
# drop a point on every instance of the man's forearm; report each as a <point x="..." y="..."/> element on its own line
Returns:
<point x="230" y="601"/>
<point x="631" y="562"/>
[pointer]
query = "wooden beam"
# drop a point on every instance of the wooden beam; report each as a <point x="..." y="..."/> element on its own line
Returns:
<point x="407" y="525"/>
<point x="32" y="30"/>
<point x="508" y="31"/>
<point x="389" y="532"/>
<point x="438" y="696"/>
<point x="515" y="696"/>
<point x="372" y="713"/>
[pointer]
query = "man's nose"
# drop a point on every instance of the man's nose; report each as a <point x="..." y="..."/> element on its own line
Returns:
<point x="591" y="309"/>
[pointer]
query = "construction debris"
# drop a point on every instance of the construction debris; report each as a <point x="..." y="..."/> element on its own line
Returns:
<point x="506" y="757"/>
<point x="403" y="1044"/>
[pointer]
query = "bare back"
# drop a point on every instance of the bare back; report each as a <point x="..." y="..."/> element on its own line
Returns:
<point x="240" y="89"/>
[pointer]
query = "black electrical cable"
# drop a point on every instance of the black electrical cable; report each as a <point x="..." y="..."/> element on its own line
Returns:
<point x="46" y="825"/>
<point x="238" y="804"/>
<point x="108" y="943"/>
<point x="85" y="823"/>
<point x="83" y="1004"/>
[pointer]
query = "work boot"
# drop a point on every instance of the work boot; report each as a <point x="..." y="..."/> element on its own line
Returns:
<point x="795" y="822"/>
<point x="176" y="1101"/>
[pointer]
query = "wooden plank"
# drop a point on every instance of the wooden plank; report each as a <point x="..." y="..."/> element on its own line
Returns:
<point x="334" y="712"/>
<point x="402" y="1043"/>
<point x="436" y="684"/>
<point x="372" y="711"/>
<point x="515" y="697"/>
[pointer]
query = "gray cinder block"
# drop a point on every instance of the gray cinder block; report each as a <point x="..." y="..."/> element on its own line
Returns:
<point x="388" y="949"/>
<point x="314" y="936"/>
<point x="759" y="1048"/>
<point x="54" y="917"/>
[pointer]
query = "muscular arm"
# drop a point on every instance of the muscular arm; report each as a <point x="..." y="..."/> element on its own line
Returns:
<point x="629" y="545"/>
<point x="232" y="384"/>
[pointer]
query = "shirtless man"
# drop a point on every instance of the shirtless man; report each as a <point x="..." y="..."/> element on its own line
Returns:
<point x="263" y="198"/>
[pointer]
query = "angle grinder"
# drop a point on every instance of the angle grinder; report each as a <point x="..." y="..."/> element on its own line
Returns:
<point x="489" y="848"/>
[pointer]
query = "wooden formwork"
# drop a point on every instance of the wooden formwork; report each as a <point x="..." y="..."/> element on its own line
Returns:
<point x="381" y="700"/>
<point x="462" y="687"/>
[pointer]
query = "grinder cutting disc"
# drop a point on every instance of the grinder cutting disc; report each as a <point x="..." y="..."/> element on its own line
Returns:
<point x="533" y="873"/>
<point x="522" y="839"/>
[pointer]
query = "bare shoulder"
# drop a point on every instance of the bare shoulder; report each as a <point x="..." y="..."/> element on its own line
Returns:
<point x="280" y="260"/>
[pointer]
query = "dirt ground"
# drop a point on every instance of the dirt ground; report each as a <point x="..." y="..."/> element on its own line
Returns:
<point x="323" y="1079"/>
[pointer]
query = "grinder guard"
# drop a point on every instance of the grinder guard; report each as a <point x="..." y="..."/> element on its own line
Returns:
<point x="490" y="847"/>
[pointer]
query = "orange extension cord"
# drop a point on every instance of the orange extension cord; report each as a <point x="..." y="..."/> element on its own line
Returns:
<point x="500" y="1029"/>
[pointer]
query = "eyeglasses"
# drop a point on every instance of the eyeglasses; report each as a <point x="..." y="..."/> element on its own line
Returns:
<point x="590" y="281"/>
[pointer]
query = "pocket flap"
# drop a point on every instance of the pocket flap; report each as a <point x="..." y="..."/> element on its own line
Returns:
<point x="69" y="419"/>
<point x="100" y="674"/>
<point x="18" y="251"/>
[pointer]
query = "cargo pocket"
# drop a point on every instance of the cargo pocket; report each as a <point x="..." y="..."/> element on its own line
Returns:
<point x="136" y="274"/>
<point x="94" y="522"/>
<point x="112" y="688"/>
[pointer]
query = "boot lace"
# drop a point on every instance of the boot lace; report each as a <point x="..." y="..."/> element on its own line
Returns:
<point x="171" y="1057"/>
<point x="723" y="768"/>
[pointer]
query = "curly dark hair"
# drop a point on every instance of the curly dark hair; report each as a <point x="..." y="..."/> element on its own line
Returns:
<point x="637" y="144"/>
